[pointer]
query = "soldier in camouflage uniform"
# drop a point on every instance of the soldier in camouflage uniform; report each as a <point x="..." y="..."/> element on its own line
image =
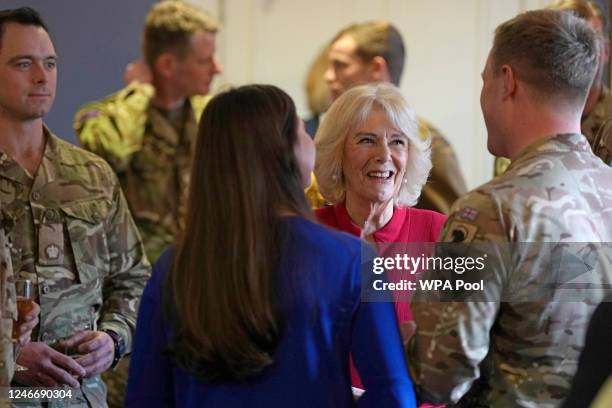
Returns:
<point x="598" y="107"/>
<point x="71" y="231"/>
<point x="147" y="132"/>
<point x="374" y="52"/>
<point x="515" y="346"/>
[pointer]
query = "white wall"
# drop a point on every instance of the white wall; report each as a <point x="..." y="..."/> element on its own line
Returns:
<point x="274" y="41"/>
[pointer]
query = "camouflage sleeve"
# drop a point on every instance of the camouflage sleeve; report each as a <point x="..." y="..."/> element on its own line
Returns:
<point x="113" y="128"/>
<point x="452" y="337"/>
<point x="8" y="312"/>
<point x="445" y="184"/>
<point x="129" y="272"/>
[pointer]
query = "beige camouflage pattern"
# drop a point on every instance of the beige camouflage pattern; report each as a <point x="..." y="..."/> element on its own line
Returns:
<point x="74" y="237"/>
<point x="8" y="312"/>
<point x="597" y="127"/>
<point x="518" y="353"/>
<point x="445" y="184"/>
<point x="151" y="159"/>
<point x="153" y="163"/>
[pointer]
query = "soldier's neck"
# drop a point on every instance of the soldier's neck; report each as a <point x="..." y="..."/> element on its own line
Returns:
<point x="168" y="104"/>
<point x="165" y="97"/>
<point x="540" y="124"/>
<point x="24" y="142"/>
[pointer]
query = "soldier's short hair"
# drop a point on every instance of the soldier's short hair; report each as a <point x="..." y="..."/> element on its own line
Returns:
<point x="169" y="26"/>
<point x="585" y="9"/>
<point x="378" y="38"/>
<point x="21" y="15"/>
<point x="554" y="52"/>
<point x="350" y="111"/>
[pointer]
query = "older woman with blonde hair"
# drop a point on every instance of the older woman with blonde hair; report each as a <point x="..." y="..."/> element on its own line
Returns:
<point x="372" y="165"/>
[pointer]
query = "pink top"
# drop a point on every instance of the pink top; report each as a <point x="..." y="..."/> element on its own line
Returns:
<point x="406" y="225"/>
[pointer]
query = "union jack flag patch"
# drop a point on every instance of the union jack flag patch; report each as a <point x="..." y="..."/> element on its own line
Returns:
<point x="469" y="213"/>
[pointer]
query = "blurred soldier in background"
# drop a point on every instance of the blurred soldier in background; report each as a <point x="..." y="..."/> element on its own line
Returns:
<point x="146" y="131"/>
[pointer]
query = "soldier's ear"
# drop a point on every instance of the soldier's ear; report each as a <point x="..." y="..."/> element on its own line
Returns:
<point x="379" y="70"/>
<point x="166" y="64"/>
<point x="508" y="82"/>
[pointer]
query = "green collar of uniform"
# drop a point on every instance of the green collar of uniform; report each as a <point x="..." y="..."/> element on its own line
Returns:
<point x="62" y="157"/>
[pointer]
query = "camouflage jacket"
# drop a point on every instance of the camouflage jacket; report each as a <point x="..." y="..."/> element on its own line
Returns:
<point x="151" y="159"/>
<point x="8" y="312"/>
<point x="597" y="127"/>
<point x="445" y="184"/>
<point x="519" y="344"/>
<point x="73" y="236"/>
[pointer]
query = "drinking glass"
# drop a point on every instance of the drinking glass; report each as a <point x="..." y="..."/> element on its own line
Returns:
<point x="23" y="290"/>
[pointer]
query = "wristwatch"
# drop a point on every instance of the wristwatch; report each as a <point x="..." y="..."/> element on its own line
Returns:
<point x="119" y="346"/>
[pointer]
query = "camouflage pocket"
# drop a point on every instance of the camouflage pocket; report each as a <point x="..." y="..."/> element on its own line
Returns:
<point x="85" y="222"/>
<point x="68" y="312"/>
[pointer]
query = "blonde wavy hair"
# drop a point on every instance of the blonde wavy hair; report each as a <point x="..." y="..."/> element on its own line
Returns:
<point x="352" y="110"/>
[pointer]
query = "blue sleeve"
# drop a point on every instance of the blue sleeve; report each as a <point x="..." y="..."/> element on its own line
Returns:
<point x="377" y="350"/>
<point x="150" y="379"/>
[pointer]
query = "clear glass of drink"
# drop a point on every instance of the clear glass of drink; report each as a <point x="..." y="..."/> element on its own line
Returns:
<point x="23" y="290"/>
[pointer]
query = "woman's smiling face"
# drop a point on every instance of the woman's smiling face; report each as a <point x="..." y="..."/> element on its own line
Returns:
<point x="375" y="156"/>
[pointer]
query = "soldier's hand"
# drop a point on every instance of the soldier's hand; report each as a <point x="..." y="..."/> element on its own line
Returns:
<point x="137" y="71"/>
<point x="97" y="349"/>
<point x="47" y="367"/>
<point x="28" y="323"/>
<point x="407" y="330"/>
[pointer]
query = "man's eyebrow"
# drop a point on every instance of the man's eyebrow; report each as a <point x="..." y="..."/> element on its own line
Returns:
<point x="31" y="57"/>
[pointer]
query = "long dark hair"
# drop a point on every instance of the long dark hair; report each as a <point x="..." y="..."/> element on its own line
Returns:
<point x="223" y="283"/>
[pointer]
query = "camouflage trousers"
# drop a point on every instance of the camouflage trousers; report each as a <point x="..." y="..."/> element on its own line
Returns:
<point x="116" y="383"/>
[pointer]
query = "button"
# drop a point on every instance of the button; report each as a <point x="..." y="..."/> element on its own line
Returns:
<point x="46" y="289"/>
<point x="36" y="196"/>
<point x="51" y="215"/>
